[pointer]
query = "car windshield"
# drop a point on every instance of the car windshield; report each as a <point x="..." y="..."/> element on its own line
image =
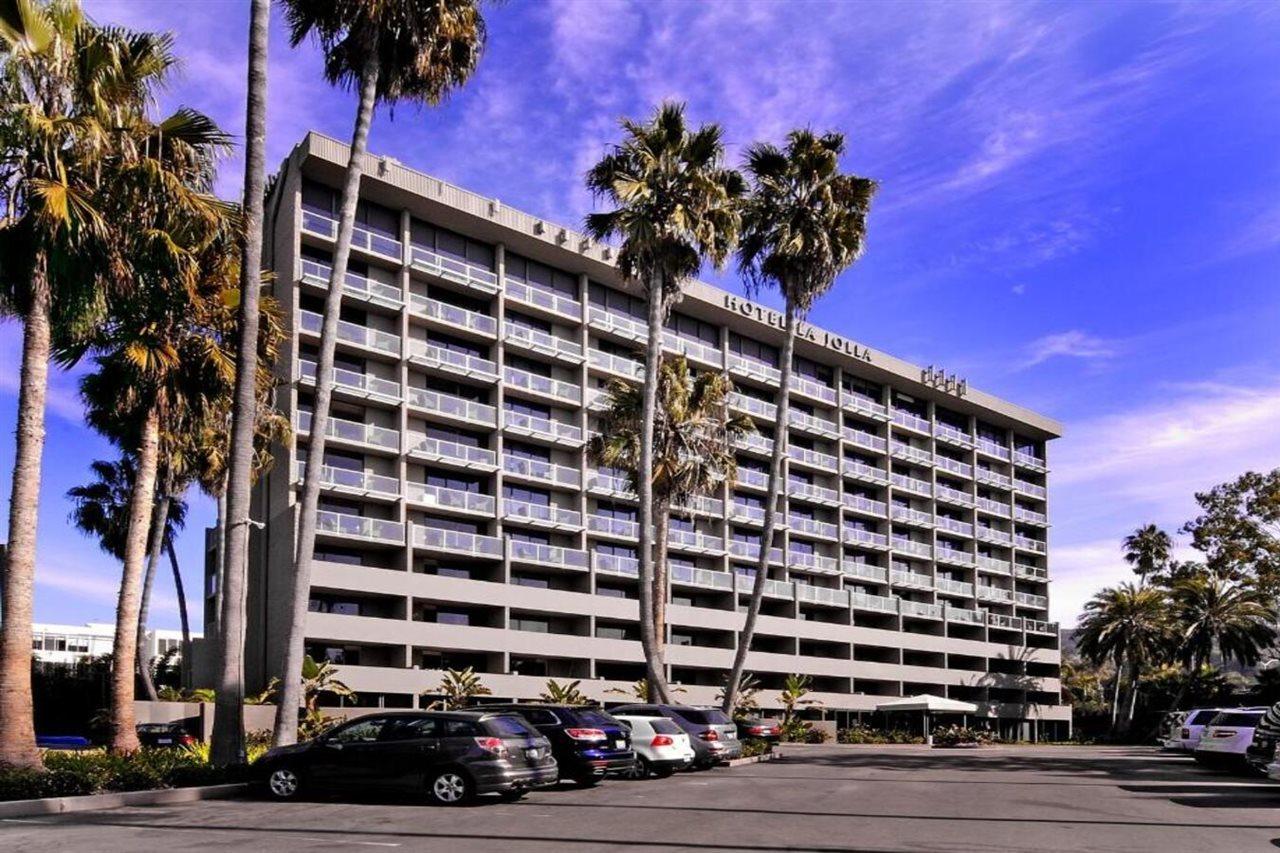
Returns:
<point x="508" y="726"/>
<point x="1237" y="718"/>
<point x="704" y="717"/>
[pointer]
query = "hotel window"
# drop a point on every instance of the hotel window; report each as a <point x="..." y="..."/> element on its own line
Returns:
<point x="694" y="329"/>
<point x="467" y="439"/>
<point x="524" y="321"/>
<point x="454" y="525"/>
<point x="753" y="349"/>
<point x="527" y="364"/>
<point x="863" y="388"/>
<point x="616" y="301"/>
<point x="812" y="370"/>
<point x="450" y="244"/>
<point x="527" y="495"/>
<point x="541" y="276"/>
<point x="530" y="537"/>
<point x="532" y="410"/>
<point x="608" y="509"/>
<point x="454" y="481"/>
<point x="610" y="549"/>
<point x="374" y="217"/>
<point x="519" y="450"/>
<point x="452" y="344"/>
<point x="457" y="389"/>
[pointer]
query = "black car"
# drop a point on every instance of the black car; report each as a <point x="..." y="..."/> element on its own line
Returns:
<point x="758" y="728"/>
<point x="452" y="756"/>
<point x="164" y="734"/>
<point x="712" y="732"/>
<point x="588" y="743"/>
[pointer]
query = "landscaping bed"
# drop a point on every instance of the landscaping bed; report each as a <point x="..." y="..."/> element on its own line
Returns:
<point x="95" y="771"/>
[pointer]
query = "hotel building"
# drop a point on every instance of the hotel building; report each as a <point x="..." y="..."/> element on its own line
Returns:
<point x="462" y="524"/>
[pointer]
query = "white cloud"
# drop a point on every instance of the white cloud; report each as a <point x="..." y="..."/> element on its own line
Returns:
<point x="1070" y="344"/>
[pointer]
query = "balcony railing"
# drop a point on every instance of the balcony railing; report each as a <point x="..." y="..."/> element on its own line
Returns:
<point x="614" y="564"/>
<point x="814" y="458"/>
<point x="969" y="617"/>
<point x="854" y="402"/>
<point x="910" y="420"/>
<point x="999" y="508"/>
<point x="443" y="450"/>
<point x="536" y="513"/>
<point x="864" y="571"/>
<point x="446" y="498"/>
<point x="953" y="556"/>
<point x="1027" y="599"/>
<point x="753" y="406"/>
<point x="361" y="238"/>
<point x="1028" y="460"/>
<point x="354" y="431"/>
<point x="751" y="551"/>
<point x="364" y="482"/>
<point x="813" y="424"/>
<point x="754" y="368"/>
<point x="911" y="516"/>
<point x="353" y="333"/>
<point x="556" y="303"/>
<point x="862" y="504"/>
<point x="954" y="496"/>
<point x="912" y="454"/>
<point x="619" y="324"/>
<point x="359" y="286"/>
<point x="811" y="492"/>
<point x="440" y="403"/>
<point x="1029" y="488"/>
<point x="993" y="478"/>
<point x="354" y="381"/>
<point x="616" y="364"/>
<point x="992" y="448"/>
<point x="706" y="505"/>
<point x="960" y="528"/>
<point x="1038" y="573"/>
<point x="813" y="562"/>
<point x="952" y="435"/>
<point x="610" y="526"/>
<point x="920" y="609"/>
<point x="705" y="578"/>
<point x="866" y="473"/>
<point x="1026" y="543"/>
<point x="754" y="442"/>
<point x="545" y="427"/>
<point x="752" y="478"/>
<point x="456" y="542"/>
<point x="746" y="512"/>
<point x="693" y="350"/>
<point x="865" y="440"/>
<point x="994" y="593"/>
<point x="452" y="315"/>
<point x="991" y="534"/>
<point x="991" y="564"/>
<point x="359" y="527"/>
<point x="915" y="580"/>
<point x="452" y="361"/>
<point x="960" y="469"/>
<point x="613" y="484"/>
<point x="812" y="388"/>
<point x="822" y="595"/>
<point x="539" y="469"/>
<point x="461" y="272"/>
<point x="535" y="553"/>
<point x="813" y="527"/>
<point x="694" y="540"/>
<point x="556" y="388"/>
<point x="1030" y="516"/>
<point x="867" y="601"/>
<point x="869" y="538"/>
<point x="953" y="587"/>
<point x="911" y="484"/>
<point x="910" y="546"/>
<point x="544" y="342"/>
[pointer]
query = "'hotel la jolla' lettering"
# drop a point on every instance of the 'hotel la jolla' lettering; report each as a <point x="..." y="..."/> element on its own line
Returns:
<point x="818" y="336"/>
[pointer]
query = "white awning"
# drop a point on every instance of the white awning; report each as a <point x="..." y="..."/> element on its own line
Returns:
<point x="930" y="703"/>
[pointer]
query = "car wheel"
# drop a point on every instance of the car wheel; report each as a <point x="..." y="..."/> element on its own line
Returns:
<point x="639" y="769"/>
<point x="449" y="787"/>
<point x="284" y="783"/>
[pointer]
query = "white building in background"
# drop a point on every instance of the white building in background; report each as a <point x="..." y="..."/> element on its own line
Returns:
<point x="53" y="643"/>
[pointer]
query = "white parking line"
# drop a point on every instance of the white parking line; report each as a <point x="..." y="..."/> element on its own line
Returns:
<point x="20" y="820"/>
<point x="345" y="841"/>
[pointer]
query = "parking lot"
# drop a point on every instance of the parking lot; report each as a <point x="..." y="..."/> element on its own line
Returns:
<point x="830" y="798"/>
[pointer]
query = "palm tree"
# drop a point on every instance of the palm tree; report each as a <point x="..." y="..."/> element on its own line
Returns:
<point x="457" y="688"/>
<point x="1147" y="549"/>
<point x="63" y="83"/>
<point x="693" y="449"/>
<point x="1212" y="613"/>
<point x="389" y="50"/>
<point x="564" y="694"/>
<point x="794" y="691"/>
<point x="640" y="691"/>
<point x="674" y="206"/>
<point x="746" y="704"/>
<point x="227" y="744"/>
<point x="803" y="224"/>
<point x="1129" y="626"/>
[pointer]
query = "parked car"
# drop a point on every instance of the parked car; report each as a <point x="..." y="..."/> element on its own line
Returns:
<point x="164" y="734"/>
<point x="713" y="734"/>
<point x="1193" y="727"/>
<point x="451" y="756"/>
<point x="63" y="742"/>
<point x="760" y="729"/>
<point x="1169" y="734"/>
<point x="588" y="743"/>
<point x="661" y="746"/>
<point x="1226" y="739"/>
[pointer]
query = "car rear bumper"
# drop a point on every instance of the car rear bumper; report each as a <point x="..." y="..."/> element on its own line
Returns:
<point x="1213" y="758"/>
<point x="498" y="779"/>
<point x="581" y="766"/>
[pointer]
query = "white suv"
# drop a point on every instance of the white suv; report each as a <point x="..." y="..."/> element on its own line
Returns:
<point x="661" y="746"/>
<point x="1227" y="738"/>
<point x="1194" y="725"/>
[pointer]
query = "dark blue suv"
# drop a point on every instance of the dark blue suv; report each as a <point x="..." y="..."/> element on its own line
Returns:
<point x="587" y="743"/>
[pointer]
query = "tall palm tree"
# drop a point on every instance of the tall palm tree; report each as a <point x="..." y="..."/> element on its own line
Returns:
<point x="803" y="223"/>
<point x="693" y="449"/>
<point x="227" y="744"/>
<point x="64" y="83"/>
<point x="1212" y="613"/>
<point x="389" y="51"/>
<point x="1147" y="549"/>
<point x="674" y="205"/>
<point x="1129" y="626"/>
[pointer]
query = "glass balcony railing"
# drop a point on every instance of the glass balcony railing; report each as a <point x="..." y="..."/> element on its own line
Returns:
<point x="554" y="430"/>
<point x="813" y="527"/>
<point x="694" y="540"/>
<point x="813" y="493"/>
<point x="994" y="593"/>
<point x="748" y="513"/>
<point x="360" y="527"/>
<point x="705" y="578"/>
<point x="1027" y="599"/>
<point x="536" y="553"/>
<point x="610" y="526"/>
<point x="993" y="448"/>
<point x="910" y="546"/>
<point x="969" y="617"/>
<point x="918" y="455"/>
<point x="362" y="238"/>
<point x="752" y="478"/>
<point x="869" y="538"/>
<point x="991" y="564"/>
<point x="993" y="478"/>
<point x="991" y="534"/>
<point x="920" y="609"/>
<point x="917" y="517"/>
<point x="954" y="496"/>
<point x="423" y="445"/>
<point x="822" y="595"/>
<point x="359" y="286"/>
<point x="613" y="564"/>
<point x="864" y="440"/>
<point x="1026" y="543"/>
<point x="456" y="542"/>
<point x="352" y="333"/>
<point x="452" y="315"/>
<point x="854" y="402"/>
<point x="953" y="435"/>
<point x="440" y="403"/>
<point x="911" y="484"/>
<point x="1028" y="488"/>
<point x="952" y="466"/>
<point x="354" y="381"/>
<point x="753" y="406"/>
<point x="365" y="482"/>
<point x="813" y="389"/>
<point x="950" y="587"/>
<point x="915" y="580"/>
<point x="451" y="269"/>
<point x="354" y="431"/>
<point x="538" y="384"/>
<point x="536" y="513"/>
<point x="754" y="368"/>
<point x="613" y="484"/>
<point x="813" y="458"/>
<point x="951" y="525"/>
<point x="751" y="551"/>
<point x="1030" y="516"/>
<point x="862" y="504"/>
<point x="1028" y="460"/>
<point x="864" y="571"/>
<point x="1037" y="573"/>
<point x="617" y="364"/>
<point x="425" y="494"/>
<point x="999" y="620"/>
<point x="556" y="303"/>
<point x="953" y="556"/>
<point x="693" y="350"/>
<point x="452" y="361"/>
<point x="879" y="603"/>
<point x="987" y="505"/>
<point x="632" y="328"/>
<point x="813" y="562"/>
<point x="754" y="442"/>
<point x="912" y="421"/>
<point x="866" y="473"/>
<point x="813" y="423"/>
<point x="539" y="469"/>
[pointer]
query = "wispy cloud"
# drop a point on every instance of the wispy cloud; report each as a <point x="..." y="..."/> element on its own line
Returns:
<point x="1074" y="344"/>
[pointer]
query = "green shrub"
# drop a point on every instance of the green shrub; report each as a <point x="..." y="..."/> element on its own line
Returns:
<point x="754" y="746"/>
<point x="956" y="735"/>
<point x="813" y="735"/>
<point x="861" y="734"/>
<point x="68" y="774"/>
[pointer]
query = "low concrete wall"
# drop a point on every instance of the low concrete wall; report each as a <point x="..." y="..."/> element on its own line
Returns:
<point x="164" y="796"/>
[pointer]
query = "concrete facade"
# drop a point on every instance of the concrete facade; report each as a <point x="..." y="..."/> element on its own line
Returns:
<point x="54" y="643"/>
<point x="462" y="523"/>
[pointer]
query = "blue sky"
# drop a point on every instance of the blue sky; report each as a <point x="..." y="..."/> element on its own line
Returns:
<point x="1079" y="211"/>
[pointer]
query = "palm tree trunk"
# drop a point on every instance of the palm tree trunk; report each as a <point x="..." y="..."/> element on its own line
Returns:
<point x="180" y="590"/>
<point x="154" y="547"/>
<point x="655" y="668"/>
<point x="1133" y="696"/>
<point x="124" y="737"/>
<point x="286" y="725"/>
<point x="781" y="434"/>
<point x="1115" y="696"/>
<point x="17" y="729"/>
<point x="227" y="746"/>
<point x="212" y="632"/>
<point x="661" y="576"/>
<point x="1196" y="663"/>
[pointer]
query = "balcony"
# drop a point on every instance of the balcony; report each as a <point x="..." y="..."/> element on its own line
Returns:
<point x="692" y="540"/>
<point x="364" y="337"/>
<point x="1026" y="543"/>
<point x="451" y="361"/>
<point x="452" y="316"/>
<point x="354" y="382"/>
<point x="467" y="274"/>
<point x="822" y="595"/>
<point x="621" y="528"/>
<point x="631" y="328"/>
<point x="354" y="432"/>
<point x="877" y="603"/>
<point x="955" y="496"/>
<point x="542" y="385"/>
<point x="455" y="543"/>
<point x="810" y="492"/>
<point x="1039" y="627"/>
<point x="1028" y="460"/>
<point x="911" y="454"/>
<point x="616" y="364"/>
<point x="358" y="527"/>
<point x="1035" y="573"/>
<point x="911" y="484"/>
<point x="753" y="479"/>
<point x="813" y="527"/>
<point x="910" y="546"/>
<point x="952" y="466"/>
<point x="1027" y="599"/>
<point x="994" y="593"/>
<point x="913" y="580"/>
<point x="866" y="538"/>
<point x="1030" y="516"/>
<point x="854" y="402"/>
<point x="423" y="446"/>
<point x="612" y="564"/>
<point x="991" y="507"/>
<point x="989" y="447"/>
<point x="911" y="421"/>
<point x="363" y="483"/>
<point x="458" y="500"/>
<point x="812" y="389"/>
<point x="864" y="505"/>
<point x="746" y="513"/>
<point x="355" y="285"/>
<point x="813" y="424"/>
<point x="916" y="517"/>
<point x="537" y="554"/>
<point x="555" y="303"/>
<point x="812" y="458"/>
<point x="706" y="505"/>
<point x="952" y="435"/>
<point x="323" y="225"/>
<point x="813" y="562"/>
<point x="991" y="564"/>
<point x="703" y="578"/>
<point x="744" y="581"/>
<point x="753" y="406"/>
<point x="920" y="610"/>
<point x="1028" y="488"/>
<point x="542" y="342"/>
<point x="864" y="571"/>
<point x="993" y="535"/>
<point x="751" y="551"/>
<point x="541" y="515"/>
<point x="541" y="471"/>
<point x="960" y="528"/>
<point x="865" y="440"/>
<point x="864" y="472"/>
<point x="993" y="478"/>
<point x="447" y="405"/>
<point x="609" y="484"/>
<point x="953" y="556"/>
<point x="950" y="587"/>
<point x="693" y="350"/>
<point x="544" y="428"/>
<point x="754" y="442"/>
<point x="754" y="369"/>
<point x="997" y="620"/>
<point x="968" y="617"/>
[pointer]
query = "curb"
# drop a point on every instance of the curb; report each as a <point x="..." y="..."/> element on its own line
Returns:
<point x="92" y="802"/>
<point x="755" y="759"/>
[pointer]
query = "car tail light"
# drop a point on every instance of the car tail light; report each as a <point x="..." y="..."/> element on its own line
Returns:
<point x="187" y="740"/>
<point x="661" y="740"/>
<point x="585" y="734"/>
<point x="710" y="734"/>
<point x="492" y="745"/>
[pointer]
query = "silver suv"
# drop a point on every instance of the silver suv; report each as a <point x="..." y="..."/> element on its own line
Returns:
<point x="712" y="732"/>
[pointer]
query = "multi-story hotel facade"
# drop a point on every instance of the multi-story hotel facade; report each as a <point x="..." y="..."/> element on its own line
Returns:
<point x="462" y="523"/>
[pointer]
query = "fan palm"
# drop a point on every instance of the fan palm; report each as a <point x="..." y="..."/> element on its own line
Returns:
<point x="66" y="86"/>
<point x="693" y="453"/>
<point x="803" y="223"/>
<point x="1213" y="613"/>
<point x="1147" y="550"/>
<point x="1129" y="626"/>
<point x="389" y="51"/>
<point x="674" y="205"/>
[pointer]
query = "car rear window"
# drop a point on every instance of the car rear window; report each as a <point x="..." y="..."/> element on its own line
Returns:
<point x="591" y="717"/>
<point x="1237" y="718"/>
<point x="508" y="726"/>
<point x="704" y="717"/>
<point x="663" y="726"/>
<point x="1202" y="718"/>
